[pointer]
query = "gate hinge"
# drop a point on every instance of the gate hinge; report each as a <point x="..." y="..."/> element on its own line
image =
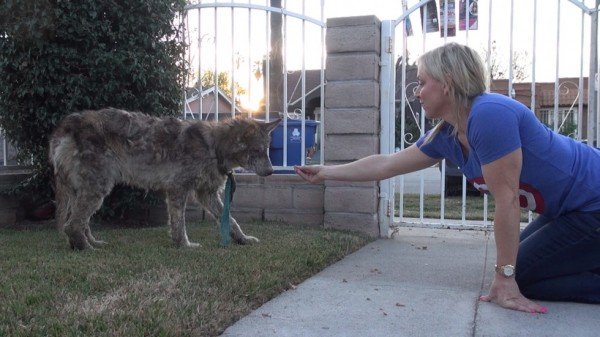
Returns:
<point x="389" y="209"/>
<point x="390" y="46"/>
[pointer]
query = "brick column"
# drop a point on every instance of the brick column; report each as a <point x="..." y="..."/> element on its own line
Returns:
<point x="352" y="118"/>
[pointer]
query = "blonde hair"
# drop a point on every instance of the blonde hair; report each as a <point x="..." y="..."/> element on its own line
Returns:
<point x="460" y="68"/>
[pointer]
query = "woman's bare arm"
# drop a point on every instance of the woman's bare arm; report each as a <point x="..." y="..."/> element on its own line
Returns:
<point x="371" y="168"/>
<point x="502" y="179"/>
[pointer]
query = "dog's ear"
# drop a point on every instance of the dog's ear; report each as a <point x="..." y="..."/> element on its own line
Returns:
<point x="272" y="125"/>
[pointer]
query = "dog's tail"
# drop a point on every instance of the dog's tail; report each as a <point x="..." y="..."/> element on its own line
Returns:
<point x="62" y="196"/>
<point x="61" y="153"/>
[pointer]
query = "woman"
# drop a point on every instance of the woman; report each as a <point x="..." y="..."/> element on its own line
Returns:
<point x="503" y="149"/>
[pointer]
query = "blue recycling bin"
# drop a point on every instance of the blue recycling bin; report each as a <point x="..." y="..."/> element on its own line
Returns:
<point x="294" y="141"/>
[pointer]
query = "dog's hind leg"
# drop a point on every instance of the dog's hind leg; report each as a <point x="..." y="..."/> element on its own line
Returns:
<point x="93" y="241"/>
<point x="65" y="198"/>
<point x="66" y="202"/>
<point x="214" y="206"/>
<point x="176" y="201"/>
<point x="77" y="226"/>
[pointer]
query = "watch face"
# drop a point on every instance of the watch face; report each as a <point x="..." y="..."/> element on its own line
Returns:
<point x="508" y="270"/>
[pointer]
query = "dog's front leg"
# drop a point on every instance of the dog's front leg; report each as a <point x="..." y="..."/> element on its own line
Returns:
<point x="176" y="201"/>
<point x="215" y="206"/>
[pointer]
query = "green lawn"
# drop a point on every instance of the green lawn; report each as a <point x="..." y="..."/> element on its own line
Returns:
<point x="452" y="207"/>
<point x="140" y="285"/>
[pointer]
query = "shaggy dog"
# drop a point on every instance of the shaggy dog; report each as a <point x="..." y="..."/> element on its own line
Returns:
<point x="91" y="151"/>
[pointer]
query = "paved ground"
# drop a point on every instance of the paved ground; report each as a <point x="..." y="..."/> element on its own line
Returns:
<point x="424" y="282"/>
<point x="431" y="178"/>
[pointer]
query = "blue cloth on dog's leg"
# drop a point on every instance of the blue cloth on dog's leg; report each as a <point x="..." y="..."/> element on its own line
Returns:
<point x="225" y="225"/>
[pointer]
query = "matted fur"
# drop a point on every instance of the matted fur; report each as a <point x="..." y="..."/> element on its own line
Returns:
<point x="91" y="151"/>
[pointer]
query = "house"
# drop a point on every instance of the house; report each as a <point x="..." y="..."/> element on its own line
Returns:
<point x="569" y="96"/>
<point x="201" y="104"/>
<point x="312" y="95"/>
<point x="571" y="100"/>
<point x="568" y="100"/>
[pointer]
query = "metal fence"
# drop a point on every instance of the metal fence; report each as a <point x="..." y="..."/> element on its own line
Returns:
<point x="4" y="148"/>
<point x="8" y="153"/>
<point x="542" y="53"/>
<point x="264" y="60"/>
<point x="260" y="59"/>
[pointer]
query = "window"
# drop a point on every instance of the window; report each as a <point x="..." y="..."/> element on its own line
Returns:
<point x="567" y="119"/>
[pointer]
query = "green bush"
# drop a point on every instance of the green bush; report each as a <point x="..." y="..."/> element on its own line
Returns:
<point x="57" y="57"/>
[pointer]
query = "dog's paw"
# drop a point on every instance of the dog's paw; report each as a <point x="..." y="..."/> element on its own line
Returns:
<point x="187" y="244"/>
<point x="78" y="241"/>
<point x="98" y="243"/>
<point x="80" y="245"/>
<point x="192" y="245"/>
<point x="246" y="240"/>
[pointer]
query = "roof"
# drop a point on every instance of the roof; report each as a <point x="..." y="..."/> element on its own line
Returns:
<point x="545" y="91"/>
<point x="193" y="94"/>
<point x="294" y="86"/>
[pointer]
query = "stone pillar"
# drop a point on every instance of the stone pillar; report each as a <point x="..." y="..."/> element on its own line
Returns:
<point x="352" y="119"/>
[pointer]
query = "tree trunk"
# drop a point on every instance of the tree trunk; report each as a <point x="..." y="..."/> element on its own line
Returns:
<point x="276" y="62"/>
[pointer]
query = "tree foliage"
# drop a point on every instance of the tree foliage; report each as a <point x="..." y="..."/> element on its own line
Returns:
<point x="500" y="70"/>
<point x="208" y="81"/>
<point x="58" y="56"/>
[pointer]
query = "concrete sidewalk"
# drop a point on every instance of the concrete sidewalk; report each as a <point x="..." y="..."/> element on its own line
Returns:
<point x="424" y="282"/>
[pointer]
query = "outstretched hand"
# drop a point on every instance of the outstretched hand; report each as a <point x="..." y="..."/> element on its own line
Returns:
<point x="506" y="293"/>
<point x="311" y="174"/>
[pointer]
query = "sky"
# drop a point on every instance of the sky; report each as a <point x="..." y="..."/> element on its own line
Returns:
<point x="248" y="43"/>
<point x="568" y="39"/>
<point x="383" y="9"/>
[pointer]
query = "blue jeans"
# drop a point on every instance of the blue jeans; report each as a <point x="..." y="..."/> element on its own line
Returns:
<point x="559" y="259"/>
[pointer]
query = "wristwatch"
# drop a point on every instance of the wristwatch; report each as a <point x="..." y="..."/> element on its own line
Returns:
<point x="507" y="270"/>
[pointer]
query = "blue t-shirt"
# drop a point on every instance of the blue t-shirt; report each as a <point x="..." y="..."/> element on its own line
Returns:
<point x="559" y="174"/>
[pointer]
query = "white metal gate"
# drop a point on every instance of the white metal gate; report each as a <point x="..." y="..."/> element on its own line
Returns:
<point x="547" y="67"/>
<point x="263" y="59"/>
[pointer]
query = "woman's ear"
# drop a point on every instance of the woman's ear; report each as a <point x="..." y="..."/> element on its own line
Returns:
<point x="446" y="86"/>
<point x="446" y="89"/>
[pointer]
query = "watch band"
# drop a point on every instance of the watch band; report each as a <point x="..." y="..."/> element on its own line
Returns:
<point x="507" y="270"/>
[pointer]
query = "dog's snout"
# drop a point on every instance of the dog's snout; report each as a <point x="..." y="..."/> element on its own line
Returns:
<point x="267" y="172"/>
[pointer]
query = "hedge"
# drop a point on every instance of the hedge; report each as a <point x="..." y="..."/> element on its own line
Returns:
<point x="58" y="57"/>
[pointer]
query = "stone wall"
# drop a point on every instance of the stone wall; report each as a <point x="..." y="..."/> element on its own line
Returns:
<point x="352" y="118"/>
<point x="283" y="197"/>
<point x="351" y="126"/>
<point x="11" y="209"/>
